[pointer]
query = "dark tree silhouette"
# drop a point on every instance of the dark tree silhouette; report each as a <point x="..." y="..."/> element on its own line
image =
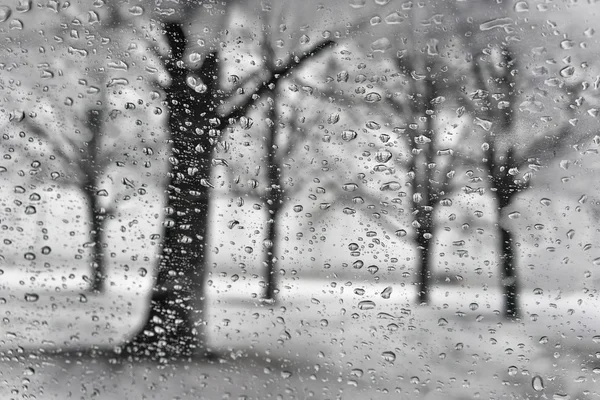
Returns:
<point x="88" y="160"/>
<point x="504" y="158"/>
<point x="174" y="327"/>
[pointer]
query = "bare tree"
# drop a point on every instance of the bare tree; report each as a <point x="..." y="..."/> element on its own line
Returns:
<point x="87" y="161"/>
<point x="174" y="326"/>
<point x="510" y="163"/>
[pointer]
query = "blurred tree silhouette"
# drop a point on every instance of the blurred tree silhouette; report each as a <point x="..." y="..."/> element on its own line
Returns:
<point x="175" y="322"/>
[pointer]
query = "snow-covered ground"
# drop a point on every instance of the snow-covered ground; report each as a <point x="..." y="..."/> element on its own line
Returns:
<point x="325" y="337"/>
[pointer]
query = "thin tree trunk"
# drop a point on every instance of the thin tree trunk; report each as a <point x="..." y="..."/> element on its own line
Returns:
<point x="509" y="275"/>
<point x="423" y="268"/>
<point x="273" y="197"/>
<point x="97" y="220"/>
<point x="271" y="289"/>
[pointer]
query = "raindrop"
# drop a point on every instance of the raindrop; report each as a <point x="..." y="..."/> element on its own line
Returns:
<point x="383" y="156"/>
<point x="512" y="370"/>
<point x="366" y="305"/>
<point x="46" y="250"/>
<point x="567" y="72"/>
<point x="23" y="6"/>
<point x="442" y="322"/>
<point x="537" y="383"/>
<point x="29" y="210"/>
<point x="373" y="125"/>
<point x="298" y="208"/>
<point x="5" y="13"/>
<point x="400" y="233"/>
<point x="389" y="356"/>
<point x="349" y="135"/>
<point x="357" y="3"/>
<point x="521" y="6"/>
<point x="373" y="269"/>
<point x="82" y="298"/>
<point x="381" y="45"/>
<point x="571" y="233"/>
<point x="142" y="272"/>
<point x="358" y="264"/>
<point x="349" y="187"/>
<point x="304" y="39"/>
<point x="496" y="23"/>
<point x="473" y="306"/>
<point x="248" y="249"/>
<point x="387" y="292"/>
<point x="514" y="215"/>
<point x="31" y="297"/>
<point x="390" y="186"/>
<point x="29" y="256"/>
<point x="485" y="124"/>
<point x="372" y="97"/>
<point x="546" y="202"/>
<point x="136" y="10"/>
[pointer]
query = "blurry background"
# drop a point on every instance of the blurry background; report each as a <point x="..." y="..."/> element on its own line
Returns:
<point x="273" y="199"/>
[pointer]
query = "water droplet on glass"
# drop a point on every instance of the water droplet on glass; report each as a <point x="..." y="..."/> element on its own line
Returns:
<point x="373" y="269"/>
<point x="136" y="10"/>
<point x="381" y="45"/>
<point x="473" y="306"/>
<point x="383" y="156"/>
<point x="373" y="125"/>
<point x="567" y="72"/>
<point x="46" y="250"/>
<point x="512" y="370"/>
<point x="357" y="3"/>
<point x="514" y="215"/>
<point x="31" y="297"/>
<point x="349" y="135"/>
<point x="372" y="97"/>
<point x="29" y="210"/>
<point x="400" y="233"/>
<point x="29" y="256"/>
<point x="349" y="187"/>
<point x="496" y="23"/>
<point x="390" y="186"/>
<point x="142" y="272"/>
<point x="23" y="6"/>
<point x="298" y="208"/>
<point x="389" y="356"/>
<point x="82" y="298"/>
<point x="537" y="383"/>
<point x="387" y="292"/>
<point x="366" y="305"/>
<point x="521" y="6"/>
<point x="5" y="13"/>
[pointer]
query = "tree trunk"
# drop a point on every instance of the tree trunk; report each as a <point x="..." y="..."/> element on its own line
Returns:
<point x="97" y="220"/>
<point x="174" y="327"/>
<point x="509" y="275"/>
<point x="273" y="197"/>
<point x="423" y="268"/>
<point x="271" y="289"/>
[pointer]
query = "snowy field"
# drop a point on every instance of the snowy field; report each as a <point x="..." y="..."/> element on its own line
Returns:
<point x="322" y="339"/>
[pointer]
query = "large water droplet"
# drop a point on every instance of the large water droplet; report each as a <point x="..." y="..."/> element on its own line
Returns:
<point x="387" y="292"/>
<point x="389" y="356"/>
<point x="537" y="383"/>
<point x="5" y="13"/>
<point x="366" y="305"/>
<point x="31" y="297"/>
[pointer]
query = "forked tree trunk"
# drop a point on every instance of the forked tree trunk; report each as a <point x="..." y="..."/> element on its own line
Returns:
<point x="174" y="327"/>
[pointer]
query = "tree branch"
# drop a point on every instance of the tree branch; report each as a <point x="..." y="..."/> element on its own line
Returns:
<point x="276" y="75"/>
